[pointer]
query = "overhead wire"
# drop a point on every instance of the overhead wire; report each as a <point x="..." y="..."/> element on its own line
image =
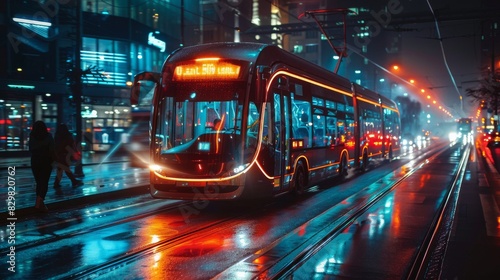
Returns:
<point x="350" y="47"/>
<point x="444" y="55"/>
<point x="358" y="52"/>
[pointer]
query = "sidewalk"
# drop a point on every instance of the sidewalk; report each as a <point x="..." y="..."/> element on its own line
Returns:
<point x="88" y="158"/>
<point x="474" y="247"/>
<point x="105" y="178"/>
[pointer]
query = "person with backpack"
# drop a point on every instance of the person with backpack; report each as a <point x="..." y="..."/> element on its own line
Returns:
<point x="65" y="148"/>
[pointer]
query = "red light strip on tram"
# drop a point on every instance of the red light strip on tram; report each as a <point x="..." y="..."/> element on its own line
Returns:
<point x="376" y="103"/>
<point x="207" y="59"/>
<point x="368" y="101"/>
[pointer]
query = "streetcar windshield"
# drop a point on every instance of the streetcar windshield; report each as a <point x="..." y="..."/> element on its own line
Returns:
<point x="199" y="127"/>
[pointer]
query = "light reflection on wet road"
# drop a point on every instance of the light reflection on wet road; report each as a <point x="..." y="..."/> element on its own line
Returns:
<point x="382" y="243"/>
<point x="207" y="254"/>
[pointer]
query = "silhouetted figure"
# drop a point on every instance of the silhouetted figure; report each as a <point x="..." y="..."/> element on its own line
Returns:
<point x="41" y="146"/>
<point x="65" y="148"/>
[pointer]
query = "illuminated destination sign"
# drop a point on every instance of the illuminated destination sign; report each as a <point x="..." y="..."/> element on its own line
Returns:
<point x="207" y="69"/>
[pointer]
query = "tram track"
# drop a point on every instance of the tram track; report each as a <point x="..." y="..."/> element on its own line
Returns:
<point x="161" y="245"/>
<point x="288" y="263"/>
<point x="428" y="261"/>
<point x="229" y="223"/>
<point x="196" y="230"/>
<point x="74" y="233"/>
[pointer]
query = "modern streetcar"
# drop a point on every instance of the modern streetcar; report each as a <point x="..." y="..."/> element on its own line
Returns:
<point x="464" y="125"/>
<point x="233" y="120"/>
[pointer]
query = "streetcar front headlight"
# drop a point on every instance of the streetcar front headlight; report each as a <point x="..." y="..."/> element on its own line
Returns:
<point x="239" y="168"/>
<point x="155" y="168"/>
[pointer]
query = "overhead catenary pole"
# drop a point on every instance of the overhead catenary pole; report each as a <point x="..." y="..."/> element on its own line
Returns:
<point x="182" y="23"/>
<point x="493" y="76"/>
<point x="77" y="88"/>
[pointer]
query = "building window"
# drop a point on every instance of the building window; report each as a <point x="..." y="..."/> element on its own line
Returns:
<point x="312" y="48"/>
<point x="311" y="34"/>
<point x="116" y="61"/>
<point x="105" y="126"/>
<point x="88" y="6"/>
<point x="105" y="7"/>
<point x="107" y="59"/>
<point x="121" y="8"/>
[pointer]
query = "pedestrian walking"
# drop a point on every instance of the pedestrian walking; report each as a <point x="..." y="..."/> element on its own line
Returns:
<point x="41" y="146"/>
<point x="65" y="148"/>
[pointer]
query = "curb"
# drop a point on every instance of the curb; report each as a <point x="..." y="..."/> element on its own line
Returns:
<point x="76" y="202"/>
<point x="27" y="165"/>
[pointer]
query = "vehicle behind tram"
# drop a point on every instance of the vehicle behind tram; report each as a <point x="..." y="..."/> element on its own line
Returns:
<point x="464" y="125"/>
<point x="140" y="115"/>
<point x="464" y="130"/>
<point x="241" y="120"/>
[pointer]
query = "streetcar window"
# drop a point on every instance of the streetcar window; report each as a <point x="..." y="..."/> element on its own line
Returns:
<point x="301" y="110"/>
<point x="331" y="130"/>
<point x="318" y="101"/>
<point x="319" y="131"/>
<point x="204" y="146"/>
<point x="391" y="122"/>
<point x="298" y="90"/>
<point x="184" y="121"/>
<point x="253" y="121"/>
<point x="330" y="104"/>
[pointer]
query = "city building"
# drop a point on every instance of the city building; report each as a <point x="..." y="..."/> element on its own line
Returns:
<point x="118" y="39"/>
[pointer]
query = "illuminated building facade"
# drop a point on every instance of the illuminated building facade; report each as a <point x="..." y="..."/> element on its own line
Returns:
<point x="119" y="38"/>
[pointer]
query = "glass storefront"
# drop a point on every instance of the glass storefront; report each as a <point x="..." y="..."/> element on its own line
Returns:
<point x="142" y="44"/>
<point x="15" y="124"/>
<point x="105" y="127"/>
<point x="17" y="118"/>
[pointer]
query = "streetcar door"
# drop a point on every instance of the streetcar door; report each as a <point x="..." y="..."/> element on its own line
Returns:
<point x="282" y="145"/>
